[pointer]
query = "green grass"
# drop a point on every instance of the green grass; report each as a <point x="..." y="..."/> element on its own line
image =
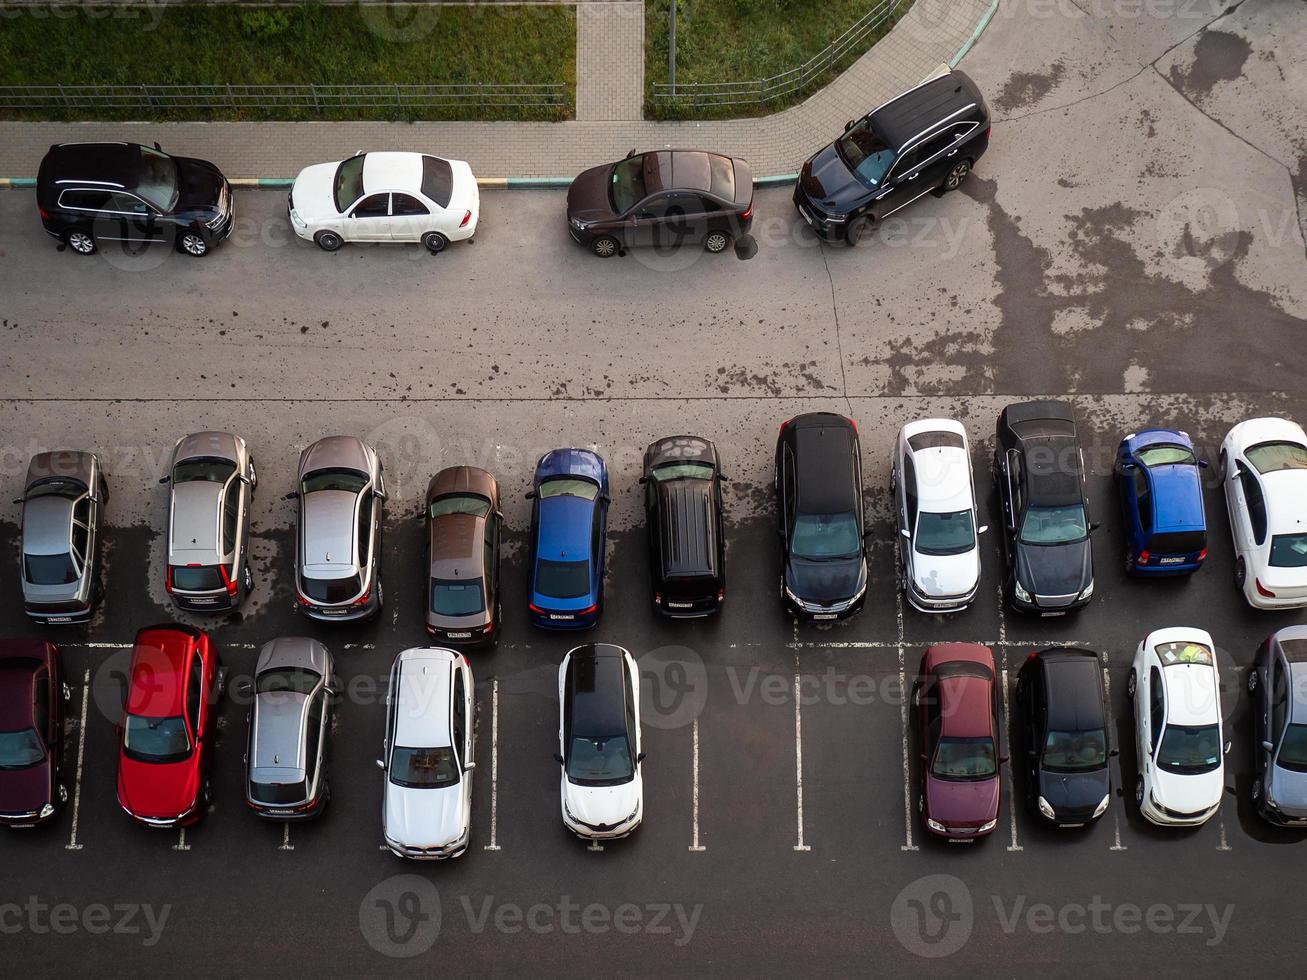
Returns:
<point x="746" y="40"/>
<point x="202" y="44"/>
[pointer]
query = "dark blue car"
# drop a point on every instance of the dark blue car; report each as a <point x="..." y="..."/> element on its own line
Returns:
<point x="569" y="518"/>
<point x="1159" y="480"/>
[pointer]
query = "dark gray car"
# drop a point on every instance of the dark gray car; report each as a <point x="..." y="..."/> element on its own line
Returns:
<point x="1278" y="684"/>
<point x="63" y="502"/>
<point x="341" y="495"/>
<point x="290" y="722"/>
<point x="213" y="480"/>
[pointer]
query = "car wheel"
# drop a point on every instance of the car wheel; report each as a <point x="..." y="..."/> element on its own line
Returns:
<point x="858" y="229"/>
<point x="206" y="792"/>
<point x="81" y="242"/>
<point x="1132" y="682"/>
<point x="1139" y="792"/>
<point x="193" y="243"/>
<point x="1252" y="681"/>
<point x="717" y="241"/>
<point x="1221" y="465"/>
<point x="605" y="246"/>
<point x="328" y="241"/>
<point x="435" y="242"/>
<point x="1240" y="573"/>
<point x="957" y="175"/>
<point x="249" y="580"/>
<point x="254" y="476"/>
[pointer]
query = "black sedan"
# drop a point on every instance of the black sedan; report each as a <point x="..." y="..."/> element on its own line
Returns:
<point x="663" y="198"/>
<point x="1040" y="475"/>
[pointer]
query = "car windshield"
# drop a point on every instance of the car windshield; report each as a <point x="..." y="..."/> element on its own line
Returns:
<point x="683" y="471"/>
<point x="562" y="579"/>
<point x="156" y="181"/>
<point x="1289" y="550"/>
<point x="865" y="153"/>
<point x="332" y="590"/>
<point x="566" y="486"/>
<point x="203" y="468"/>
<point x="197" y="578"/>
<point x="1271" y="456"/>
<point x="278" y="794"/>
<point x="351" y="481"/>
<point x="626" y="185"/>
<point x="156" y="739"/>
<point x="1190" y="749"/>
<point x="824" y="536"/>
<point x="1075" y="751"/>
<point x="457" y="597"/>
<point x="348" y="185"/>
<point x="1293" y="749"/>
<point x="293" y="680"/>
<point x="1054" y="525"/>
<point x="50" y="569"/>
<point x="600" y="761"/>
<point x="965" y="758"/>
<point x="460" y="504"/>
<point x="423" y="768"/>
<point x="1165" y="455"/>
<point x="18" y="750"/>
<point x="945" y="534"/>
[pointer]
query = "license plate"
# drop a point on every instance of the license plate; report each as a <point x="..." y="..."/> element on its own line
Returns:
<point x="825" y="615"/>
<point x="1071" y="826"/>
<point x="1050" y="615"/>
<point x="333" y="612"/>
<point x="21" y="826"/>
<point x="58" y="619"/>
<point x="961" y="840"/>
<point x="202" y="602"/>
<point x="560" y="616"/>
<point x="680" y="605"/>
<point x="1170" y="561"/>
<point x="459" y="636"/>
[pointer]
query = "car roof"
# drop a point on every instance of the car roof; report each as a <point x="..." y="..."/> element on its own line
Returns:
<point x="47" y="524"/>
<point x="423" y="697"/>
<point x="597" y="688"/>
<point x="1177" y="497"/>
<point x="158" y="680"/>
<point x="1072" y="689"/>
<point x="329" y="531"/>
<point x="919" y="108"/>
<point x="109" y="162"/>
<point x="278" y="735"/>
<point x="195" y="515"/>
<point x="1285" y="492"/>
<point x="824" y="474"/>
<point x="564" y="529"/>
<point x="457" y="546"/>
<point x="19" y="662"/>
<point x="385" y="170"/>
<point x="217" y="445"/>
<point x="965" y="700"/>
<point x="943" y="478"/>
<point x="1191" y="694"/>
<point x="689" y="170"/>
<point x="688" y="533"/>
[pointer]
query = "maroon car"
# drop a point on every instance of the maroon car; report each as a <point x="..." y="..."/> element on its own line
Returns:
<point x="32" y="695"/>
<point x="958" y="709"/>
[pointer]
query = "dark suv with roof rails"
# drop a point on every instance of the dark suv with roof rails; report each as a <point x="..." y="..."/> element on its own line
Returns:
<point x="687" y="541"/>
<point x="90" y="193"/>
<point x="926" y="139"/>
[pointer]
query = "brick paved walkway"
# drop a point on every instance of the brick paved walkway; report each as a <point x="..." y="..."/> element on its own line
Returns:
<point x="610" y="61"/>
<point x="933" y="31"/>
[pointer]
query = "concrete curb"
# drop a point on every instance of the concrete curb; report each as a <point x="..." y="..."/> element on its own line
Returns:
<point x="490" y="183"/>
<point x="975" y="35"/>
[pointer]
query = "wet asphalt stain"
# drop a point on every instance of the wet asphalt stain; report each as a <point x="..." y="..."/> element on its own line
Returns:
<point x="1218" y="57"/>
<point x="1026" y="88"/>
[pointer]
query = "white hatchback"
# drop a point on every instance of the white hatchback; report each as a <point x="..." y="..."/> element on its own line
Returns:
<point x="428" y="755"/>
<point x="935" y="503"/>
<point x="1264" y="474"/>
<point x="1179" y="737"/>
<point x="385" y="197"/>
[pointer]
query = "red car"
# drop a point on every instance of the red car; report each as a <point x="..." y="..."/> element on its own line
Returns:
<point x="168" y="727"/>
<point x="958" y="711"/>
<point x="32" y="695"/>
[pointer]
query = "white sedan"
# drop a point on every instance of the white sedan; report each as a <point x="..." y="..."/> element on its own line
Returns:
<point x="385" y="197"/>
<point x="1264" y="473"/>
<point x="935" y="500"/>
<point x="1176" y="695"/>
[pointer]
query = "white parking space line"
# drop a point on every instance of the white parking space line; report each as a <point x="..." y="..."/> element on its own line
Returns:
<point x="1011" y="781"/>
<point x="286" y="845"/>
<point x="908" y="844"/>
<point x="595" y="846"/>
<point x="72" y="844"/>
<point x="998" y="644"/>
<point x="798" y="755"/>
<point x="494" y="767"/>
<point x="1225" y="843"/>
<point x="694" y="840"/>
<point x="181" y="844"/>
<point x="1116" y="812"/>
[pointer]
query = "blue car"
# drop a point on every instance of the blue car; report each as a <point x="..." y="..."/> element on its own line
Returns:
<point x="1159" y="481"/>
<point x="569" y="520"/>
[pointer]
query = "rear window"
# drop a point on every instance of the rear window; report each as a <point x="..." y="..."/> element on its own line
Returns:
<point x="295" y="680"/>
<point x="562" y="579"/>
<point x="278" y="794"/>
<point x="197" y="578"/>
<point x="50" y="569"/>
<point x="203" y="468"/>
<point x="690" y="587"/>
<point x="1289" y="550"/>
<point x="1177" y="543"/>
<point x="721" y="179"/>
<point x="457" y="597"/>
<point x="437" y="180"/>
<point x="332" y="590"/>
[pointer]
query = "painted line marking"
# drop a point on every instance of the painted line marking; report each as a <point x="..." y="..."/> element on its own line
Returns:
<point x="72" y="844"/>
<point x="893" y="644"/>
<point x="286" y="845"/>
<point x="1225" y="844"/>
<point x="1007" y="730"/>
<point x="798" y="754"/>
<point x="181" y="844"/>
<point x="908" y="844"/>
<point x="595" y="846"/>
<point x="494" y="767"/>
<point x="1116" y="814"/>
<point x="694" y="843"/>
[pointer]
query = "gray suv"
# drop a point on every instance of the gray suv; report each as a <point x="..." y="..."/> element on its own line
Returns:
<point x="1278" y="685"/>
<point x="290" y="721"/>
<point x="341" y="495"/>
<point x="63" y="503"/>
<point x="212" y="487"/>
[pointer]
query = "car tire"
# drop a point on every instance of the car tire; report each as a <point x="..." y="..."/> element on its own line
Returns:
<point x="1240" y="573"/>
<point x="249" y="580"/>
<point x="605" y="246"/>
<point x="80" y="241"/>
<point x="435" y="242"/>
<point x="1139" y="792"/>
<point x="328" y="241"/>
<point x="1222" y="465"/>
<point x="192" y="242"/>
<point x="254" y="476"/>
<point x="717" y="242"/>
<point x="1252" y="681"/>
<point x="206" y="791"/>
<point x="953" y="180"/>
<point x="859" y="226"/>
<point x="1131" y="685"/>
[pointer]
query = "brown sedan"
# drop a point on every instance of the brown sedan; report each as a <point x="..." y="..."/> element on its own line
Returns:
<point x="463" y="528"/>
<point x="663" y="198"/>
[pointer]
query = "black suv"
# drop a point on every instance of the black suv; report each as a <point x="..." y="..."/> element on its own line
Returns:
<point x="1040" y="475"/>
<point x="926" y="139"/>
<point x="1063" y="707"/>
<point x="683" y="511"/>
<point x="90" y="193"/>
<point x="819" y="500"/>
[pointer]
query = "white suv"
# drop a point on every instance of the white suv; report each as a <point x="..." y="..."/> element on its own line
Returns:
<point x="1179" y="736"/>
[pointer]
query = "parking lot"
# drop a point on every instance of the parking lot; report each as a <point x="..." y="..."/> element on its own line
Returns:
<point x="781" y="831"/>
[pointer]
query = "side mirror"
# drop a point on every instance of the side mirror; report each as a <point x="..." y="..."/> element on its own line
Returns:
<point x="1114" y="752"/>
<point x="531" y="495"/>
<point x="643" y="480"/>
<point x="630" y="153"/>
<point x="640" y="757"/>
<point x="558" y="758"/>
<point x="606" y="499"/>
<point x="165" y="479"/>
<point x="1203" y="464"/>
<point x="1127" y="465"/>
<point x="18" y="500"/>
<point x="499" y="514"/>
<point x="1002" y="758"/>
<point x="289" y="496"/>
<point x="1094" y="526"/>
<point x="1268" y="746"/>
<point x="469" y="767"/>
<point x="982" y="529"/>
<point x="380" y="764"/>
<point x="848" y="125"/>
<point x="870" y="532"/>
<point x="245" y="689"/>
<point x="904" y="532"/>
<point x="1227" y="747"/>
<point x="157" y="146"/>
